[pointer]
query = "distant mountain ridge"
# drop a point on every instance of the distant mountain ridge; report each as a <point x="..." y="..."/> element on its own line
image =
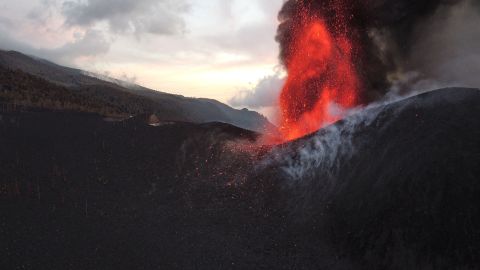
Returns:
<point x="120" y="96"/>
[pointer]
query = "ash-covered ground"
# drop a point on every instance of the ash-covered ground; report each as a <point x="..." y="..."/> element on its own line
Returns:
<point x="391" y="187"/>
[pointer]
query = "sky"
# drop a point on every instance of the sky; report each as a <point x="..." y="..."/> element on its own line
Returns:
<point x="221" y="49"/>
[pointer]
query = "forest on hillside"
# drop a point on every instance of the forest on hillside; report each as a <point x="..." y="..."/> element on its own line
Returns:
<point x="19" y="89"/>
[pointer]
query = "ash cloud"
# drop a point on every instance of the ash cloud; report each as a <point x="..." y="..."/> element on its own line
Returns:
<point x="434" y="39"/>
<point x="450" y="53"/>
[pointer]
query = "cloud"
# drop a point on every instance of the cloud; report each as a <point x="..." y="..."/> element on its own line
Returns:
<point x="43" y="35"/>
<point x="43" y="12"/>
<point x="250" y="39"/>
<point x="246" y="27"/>
<point x="7" y="42"/>
<point x="5" y="22"/>
<point x="161" y="17"/>
<point x="192" y="47"/>
<point x="264" y="94"/>
<point x="92" y="43"/>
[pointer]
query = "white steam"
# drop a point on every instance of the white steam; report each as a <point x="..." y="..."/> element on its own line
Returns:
<point x="328" y="148"/>
<point x="264" y="94"/>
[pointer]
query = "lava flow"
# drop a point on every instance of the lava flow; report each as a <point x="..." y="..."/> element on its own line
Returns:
<point x="322" y="80"/>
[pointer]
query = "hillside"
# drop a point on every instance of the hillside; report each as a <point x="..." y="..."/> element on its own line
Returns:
<point x="128" y="98"/>
<point x="391" y="187"/>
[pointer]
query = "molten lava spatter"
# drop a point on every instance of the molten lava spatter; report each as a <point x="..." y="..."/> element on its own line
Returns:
<point x="321" y="77"/>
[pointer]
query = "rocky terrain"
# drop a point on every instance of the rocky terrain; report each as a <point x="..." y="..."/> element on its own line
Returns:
<point x="394" y="186"/>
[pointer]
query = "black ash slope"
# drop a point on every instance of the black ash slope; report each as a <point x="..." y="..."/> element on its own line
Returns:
<point x="393" y="187"/>
<point x="83" y="193"/>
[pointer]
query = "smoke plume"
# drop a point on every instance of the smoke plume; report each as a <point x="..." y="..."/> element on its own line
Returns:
<point x="389" y="37"/>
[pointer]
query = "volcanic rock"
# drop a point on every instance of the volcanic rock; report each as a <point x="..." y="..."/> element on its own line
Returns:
<point x="393" y="186"/>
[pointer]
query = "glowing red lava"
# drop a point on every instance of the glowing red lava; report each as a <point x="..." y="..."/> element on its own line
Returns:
<point x="321" y="79"/>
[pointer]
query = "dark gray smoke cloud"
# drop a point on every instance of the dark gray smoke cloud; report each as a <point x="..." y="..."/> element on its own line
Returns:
<point x="391" y="37"/>
<point x="446" y="47"/>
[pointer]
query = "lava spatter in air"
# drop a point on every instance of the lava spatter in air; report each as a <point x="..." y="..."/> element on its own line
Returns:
<point x="321" y="79"/>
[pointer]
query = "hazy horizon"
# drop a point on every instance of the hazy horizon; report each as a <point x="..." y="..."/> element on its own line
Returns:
<point x="219" y="50"/>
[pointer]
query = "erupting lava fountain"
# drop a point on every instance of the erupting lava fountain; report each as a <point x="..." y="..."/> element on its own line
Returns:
<point x="322" y="79"/>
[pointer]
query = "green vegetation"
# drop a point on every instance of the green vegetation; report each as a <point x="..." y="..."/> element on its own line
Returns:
<point x="25" y="90"/>
<point x="28" y="83"/>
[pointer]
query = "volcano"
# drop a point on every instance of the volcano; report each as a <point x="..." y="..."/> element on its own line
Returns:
<point x="393" y="186"/>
